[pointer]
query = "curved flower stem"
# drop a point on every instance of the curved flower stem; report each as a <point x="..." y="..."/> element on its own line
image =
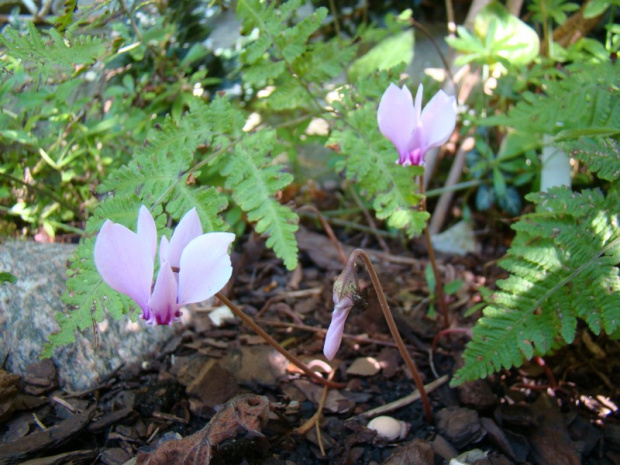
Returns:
<point x="431" y="256"/>
<point x="273" y="343"/>
<point x="394" y="330"/>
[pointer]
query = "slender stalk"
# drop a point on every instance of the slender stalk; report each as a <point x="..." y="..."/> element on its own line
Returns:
<point x="332" y="7"/>
<point x="431" y="37"/>
<point x="451" y="20"/>
<point x="548" y="373"/>
<point x="369" y="220"/>
<point x="431" y="256"/>
<point x="328" y="229"/>
<point x="413" y="369"/>
<point x="445" y="332"/>
<point x="273" y="343"/>
<point x="132" y="21"/>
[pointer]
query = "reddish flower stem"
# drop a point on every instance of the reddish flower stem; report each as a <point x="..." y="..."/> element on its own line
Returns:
<point x="273" y="343"/>
<point x="394" y="330"/>
<point x="431" y="256"/>
<point x="445" y="332"/>
<point x="328" y="229"/>
<point x="548" y="373"/>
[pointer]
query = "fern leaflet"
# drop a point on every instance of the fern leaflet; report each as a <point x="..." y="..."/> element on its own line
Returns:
<point x="54" y="51"/>
<point x="585" y="98"/>
<point x="602" y="156"/>
<point x="254" y="181"/>
<point x="563" y="265"/>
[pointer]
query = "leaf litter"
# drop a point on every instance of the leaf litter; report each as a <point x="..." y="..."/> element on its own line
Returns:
<point x="218" y="395"/>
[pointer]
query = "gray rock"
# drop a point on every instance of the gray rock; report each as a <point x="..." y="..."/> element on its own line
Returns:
<point x="27" y="310"/>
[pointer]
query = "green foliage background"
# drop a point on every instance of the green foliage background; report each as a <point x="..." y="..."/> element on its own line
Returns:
<point x="96" y="123"/>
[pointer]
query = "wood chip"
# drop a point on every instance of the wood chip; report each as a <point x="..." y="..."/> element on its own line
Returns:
<point x="364" y="366"/>
<point x="18" y="450"/>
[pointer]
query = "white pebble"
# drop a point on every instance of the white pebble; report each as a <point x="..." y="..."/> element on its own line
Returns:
<point x="389" y="428"/>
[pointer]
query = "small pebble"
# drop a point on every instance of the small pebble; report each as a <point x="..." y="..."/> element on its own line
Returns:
<point x="389" y="428"/>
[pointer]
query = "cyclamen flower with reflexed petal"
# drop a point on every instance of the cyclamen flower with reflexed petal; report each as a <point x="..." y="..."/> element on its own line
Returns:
<point x="192" y="266"/>
<point x="414" y="131"/>
<point x="345" y="290"/>
<point x="333" y="338"/>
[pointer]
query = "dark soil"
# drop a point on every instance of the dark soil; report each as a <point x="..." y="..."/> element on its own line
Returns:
<point x="560" y="410"/>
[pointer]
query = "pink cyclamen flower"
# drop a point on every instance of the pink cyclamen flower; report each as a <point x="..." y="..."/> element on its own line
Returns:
<point x="414" y="130"/>
<point x="192" y="266"/>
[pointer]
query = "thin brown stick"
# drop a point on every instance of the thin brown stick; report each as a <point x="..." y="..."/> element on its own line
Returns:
<point x="328" y="229"/>
<point x="451" y="20"/>
<point x="371" y="223"/>
<point x="332" y="7"/>
<point x="404" y="401"/>
<point x="132" y="21"/>
<point x="431" y="37"/>
<point x="439" y="335"/>
<point x="413" y="369"/>
<point x="273" y="343"/>
<point x="316" y="418"/>
<point x="456" y="170"/>
<point x="431" y="256"/>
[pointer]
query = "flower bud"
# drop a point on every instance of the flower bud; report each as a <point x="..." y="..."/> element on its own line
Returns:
<point x="345" y="289"/>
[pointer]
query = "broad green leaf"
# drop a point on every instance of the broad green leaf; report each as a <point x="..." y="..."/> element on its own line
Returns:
<point x="514" y="40"/>
<point x="386" y="54"/>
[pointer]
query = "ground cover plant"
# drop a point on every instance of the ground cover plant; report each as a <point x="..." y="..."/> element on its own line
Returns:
<point x="120" y="114"/>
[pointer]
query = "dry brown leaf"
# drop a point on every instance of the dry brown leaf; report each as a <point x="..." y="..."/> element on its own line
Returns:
<point x="243" y="415"/>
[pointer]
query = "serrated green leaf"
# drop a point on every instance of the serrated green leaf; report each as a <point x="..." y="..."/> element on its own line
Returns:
<point x="254" y="180"/>
<point x="563" y="265"/>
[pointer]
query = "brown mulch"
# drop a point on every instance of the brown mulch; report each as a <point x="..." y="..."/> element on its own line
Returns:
<point x="220" y="395"/>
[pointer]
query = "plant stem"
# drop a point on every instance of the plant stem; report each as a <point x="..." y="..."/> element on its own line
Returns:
<point x="328" y="229"/>
<point x="132" y="21"/>
<point x="394" y="330"/>
<point x="431" y="256"/>
<point x="273" y="343"/>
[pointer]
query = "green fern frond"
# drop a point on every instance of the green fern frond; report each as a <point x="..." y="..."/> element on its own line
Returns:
<point x="585" y="98"/>
<point x="324" y="61"/>
<point x="160" y="171"/>
<point x="563" y="266"/>
<point x="602" y="156"/>
<point x="254" y="181"/>
<point x="66" y="19"/>
<point x="54" y="51"/>
<point x="283" y="55"/>
<point x="288" y="95"/>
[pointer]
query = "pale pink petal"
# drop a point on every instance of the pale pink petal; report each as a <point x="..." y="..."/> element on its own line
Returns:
<point x="333" y="338"/>
<point x="205" y="267"/>
<point x="418" y="103"/>
<point x="163" y="301"/>
<point x="396" y="117"/>
<point x="438" y="120"/>
<point x="147" y="230"/>
<point x="124" y="261"/>
<point x="188" y="228"/>
<point x="164" y="247"/>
